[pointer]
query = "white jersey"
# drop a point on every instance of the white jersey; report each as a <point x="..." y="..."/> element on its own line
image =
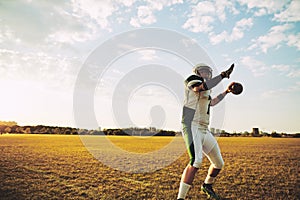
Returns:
<point x="196" y="104"/>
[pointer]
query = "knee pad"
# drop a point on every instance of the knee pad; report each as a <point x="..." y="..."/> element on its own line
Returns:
<point x="219" y="164"/>
<point x="197" y="163"/>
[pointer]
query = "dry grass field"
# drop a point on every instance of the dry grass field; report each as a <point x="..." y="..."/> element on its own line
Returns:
<point x="60" y="167"/>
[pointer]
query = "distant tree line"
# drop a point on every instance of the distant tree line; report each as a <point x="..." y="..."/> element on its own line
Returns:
<point x="41" y="129"/>
<point x="12" y="127"/>
<point x="139" y="132"/>
<point x="274" y="134"/>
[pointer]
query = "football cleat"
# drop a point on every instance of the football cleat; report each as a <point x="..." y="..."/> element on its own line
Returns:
<point x="208" y="190"/>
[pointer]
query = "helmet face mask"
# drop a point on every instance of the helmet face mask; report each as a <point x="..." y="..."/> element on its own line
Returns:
<point x="203" y="70"/>
<point x="204" y="73"/>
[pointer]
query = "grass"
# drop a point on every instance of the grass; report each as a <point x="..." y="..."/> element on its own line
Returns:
<point x="60" y="167"/>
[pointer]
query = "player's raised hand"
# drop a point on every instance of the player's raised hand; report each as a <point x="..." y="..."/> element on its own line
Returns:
<point x="229" y="88"/>
<point x="226" y="74"/>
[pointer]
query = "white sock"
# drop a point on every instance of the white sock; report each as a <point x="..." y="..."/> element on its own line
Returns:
<point x="209" y="179"/>
<point x="183" y="190"/>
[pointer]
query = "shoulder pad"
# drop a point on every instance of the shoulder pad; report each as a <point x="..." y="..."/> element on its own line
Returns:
<point x="194" y="77"/>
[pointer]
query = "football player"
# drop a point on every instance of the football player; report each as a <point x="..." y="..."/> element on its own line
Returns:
<point x="195" y="122"/>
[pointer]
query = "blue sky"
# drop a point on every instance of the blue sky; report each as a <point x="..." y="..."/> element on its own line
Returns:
<point x="45" y="44"/>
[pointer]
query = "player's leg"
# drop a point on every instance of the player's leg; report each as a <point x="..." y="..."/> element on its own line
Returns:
<point x="186" y="181"/>
<point x="216" y="165"/>
<point x="193" y="140"/>
<point x="213" y="153"/>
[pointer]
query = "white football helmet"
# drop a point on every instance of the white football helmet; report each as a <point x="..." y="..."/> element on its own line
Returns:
<point x="202" y="68"/>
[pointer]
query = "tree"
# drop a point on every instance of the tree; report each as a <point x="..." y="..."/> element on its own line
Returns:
<point x="275" y="135"/>
<point x="7" y="129"/>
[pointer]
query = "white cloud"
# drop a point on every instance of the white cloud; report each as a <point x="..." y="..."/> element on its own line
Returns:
<point x="215" y="39"/>
<point x="294" y="40"/>
<point x="24" y="21"/>
<point x="276" y="37"/>
<point x="67" y="36"/>
<point x="199" y="24"/>
<point x="221" y="5"/>
<point x="270" y="6"/>
<point x="188" y="42"/>
<point x="55" y="71"/>
<point x="95" y="10"/>
<point x="201" y="17"/>
<point x="220" y="9"/>
<point x="294" y="73"/>
<point x="145" y="13"/>
<point x="134" y="21"/>
<point x="258" y="68"/>
<point x="291" y="14"/>
<point x="282" y="68"/>
<point x="244" y="23"/>
<point x="148" y="55"/>
<point x="294" y="89"/>
<point x="261" y="12"/>
<point x="6" y="34"/>
<point x="287" y="70"/>
<point x="204" y="7"/>
<point x="205" y="13"/>
<point x="44" y="23"/>
<point x="127" y="3"/>
<point x="240" y="27"/>
<point x="236" y="34"/>
<point x="145" y="16"/>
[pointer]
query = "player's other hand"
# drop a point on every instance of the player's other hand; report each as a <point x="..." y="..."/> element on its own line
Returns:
<point x="229" y="88"/>
<point x="226" y="74"/>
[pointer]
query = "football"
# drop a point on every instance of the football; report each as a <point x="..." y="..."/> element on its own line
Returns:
<point x="236" y="88"/>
